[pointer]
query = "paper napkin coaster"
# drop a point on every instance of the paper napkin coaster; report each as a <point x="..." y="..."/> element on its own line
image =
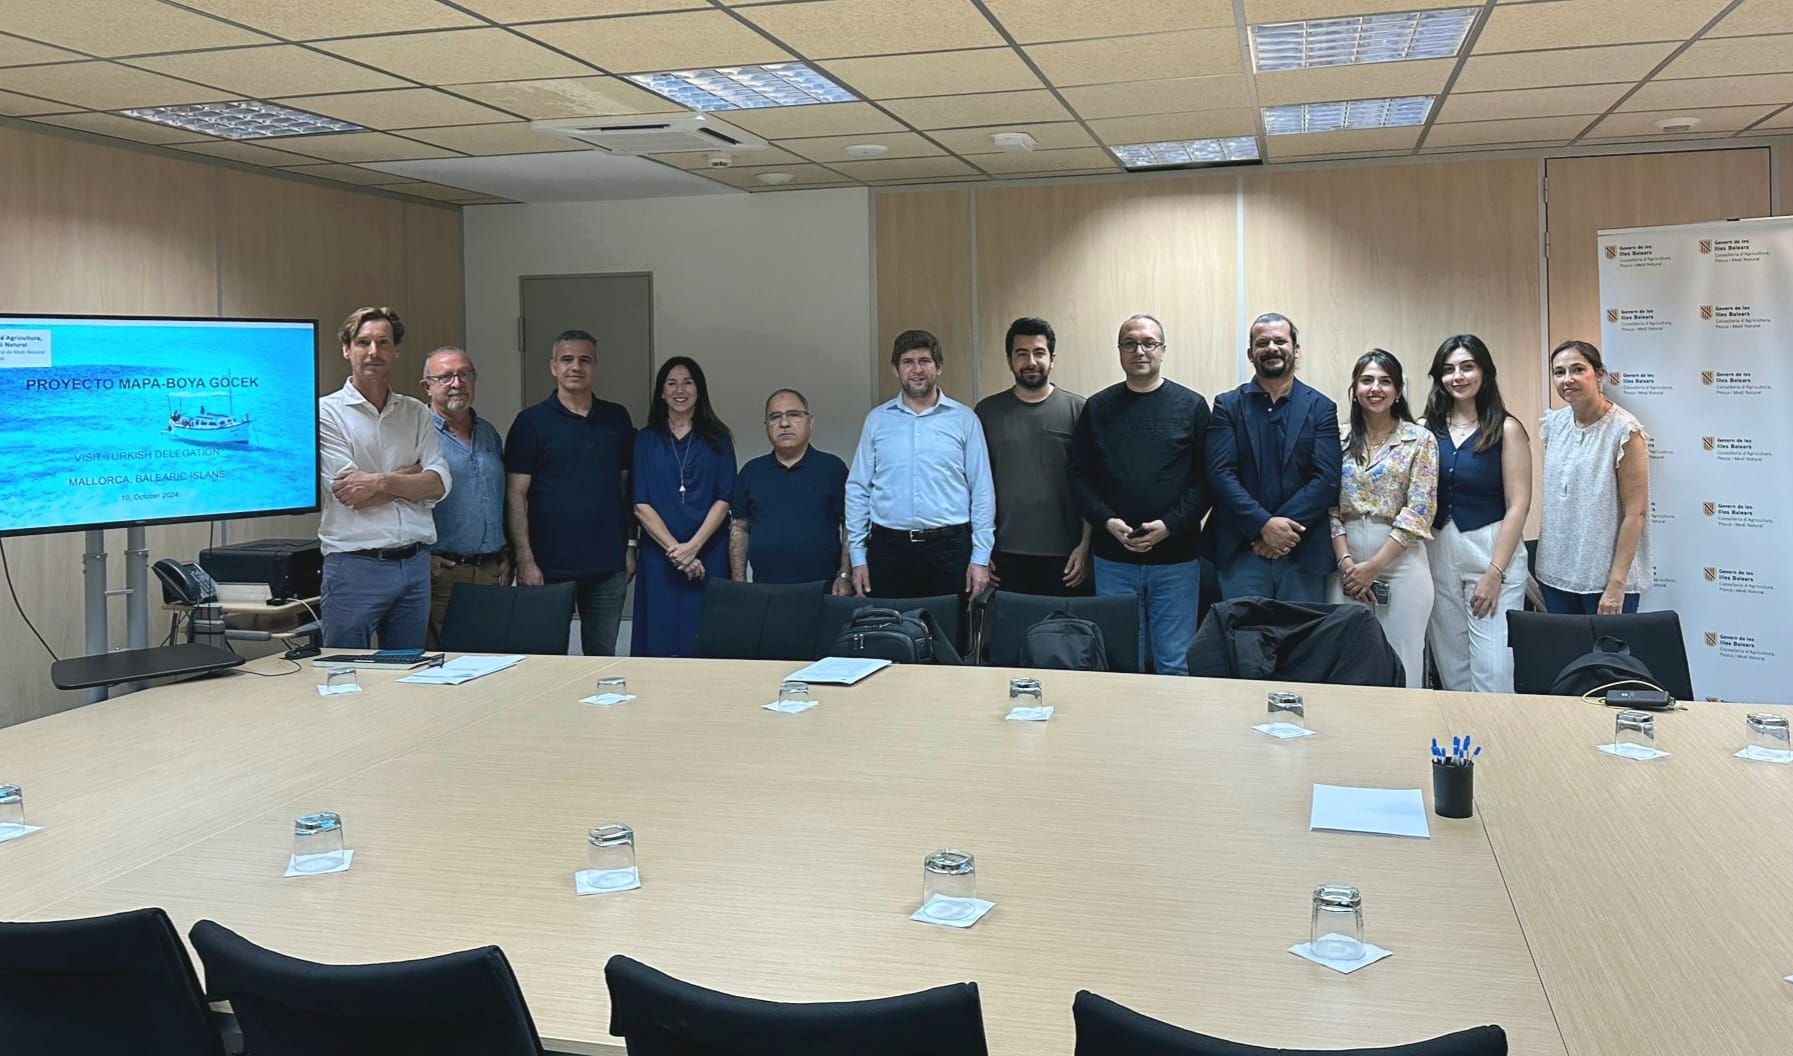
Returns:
<point x="1766" y="755"/>
<point x="791" y="707"/>
<point x="952" y="912"/>
<point x="331" y="691"/>
<point x="1631" y="751"/>
<point x="605" y="881"/>
<point x="1283" y="730"/>
<point x="1026" y="713"/>
<point x="608" y="700"/>
<point x="316" y="865"/>
<point x="1371" y="954"/>
<point x="11" y="831"/>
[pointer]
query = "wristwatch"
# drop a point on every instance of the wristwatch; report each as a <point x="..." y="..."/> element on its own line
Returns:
<point x="845" y="575"/>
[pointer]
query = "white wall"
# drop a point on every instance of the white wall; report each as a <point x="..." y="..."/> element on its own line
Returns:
<point x="764" y="290"/>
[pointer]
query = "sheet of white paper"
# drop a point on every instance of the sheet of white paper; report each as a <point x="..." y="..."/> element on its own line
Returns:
<point x="13" y="831"/>
<point x="1766" y="755"/>
<point x="332" y="691"/>
<point x="462" y="669"/>
<point x="605" y="881"/>
<point x="837" y="671"/>
<point x="952" y="912"/>
<point x="791" y="707"/>
<point x="1026" y="713"/>
<point x="1639" y="752"/>
<point x="317" y="865"/>
<point x="1283" y="730"/>
<point x="1387" y="811"/>
<point x="608" y="700"/>
<point x="1371" y="954"/>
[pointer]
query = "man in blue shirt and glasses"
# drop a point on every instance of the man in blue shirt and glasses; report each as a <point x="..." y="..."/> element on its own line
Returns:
<point x="470" y="546"/>
<point x="921" y="508"/>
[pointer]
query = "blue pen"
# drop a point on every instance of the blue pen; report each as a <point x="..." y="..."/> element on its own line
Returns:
<point x="1477" y="752"/>
<point x="1456" y="746"/>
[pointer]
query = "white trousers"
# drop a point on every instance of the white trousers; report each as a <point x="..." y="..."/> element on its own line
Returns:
<point x="1471" y="653"/>
<point x="1409" y="580"/>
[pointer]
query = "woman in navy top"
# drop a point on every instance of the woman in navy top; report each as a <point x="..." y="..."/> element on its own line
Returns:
<point x="1484" y="495"/>
<point x="683" y="480"/>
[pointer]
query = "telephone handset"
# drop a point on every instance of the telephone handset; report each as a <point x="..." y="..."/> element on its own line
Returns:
<point x="184" y="582"/>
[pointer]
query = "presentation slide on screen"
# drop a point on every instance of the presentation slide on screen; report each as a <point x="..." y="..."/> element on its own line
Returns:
<point x="120" y="420"/>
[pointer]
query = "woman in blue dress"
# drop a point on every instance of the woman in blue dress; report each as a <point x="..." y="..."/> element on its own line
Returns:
<point x="683" y="480"/>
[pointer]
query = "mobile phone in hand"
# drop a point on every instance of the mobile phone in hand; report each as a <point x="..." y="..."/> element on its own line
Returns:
<point x="1138" y="533"/>
<point x="1380" y="589"/>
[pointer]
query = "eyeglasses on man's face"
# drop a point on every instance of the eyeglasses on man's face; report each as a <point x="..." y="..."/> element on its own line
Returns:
<point x="780" y="417"/>
<point x="462" y="376"/>
<point x="1141" y="346"/>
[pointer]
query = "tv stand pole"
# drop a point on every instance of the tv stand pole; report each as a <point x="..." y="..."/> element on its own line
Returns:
<point x="135" y="592"/>
<point x="93" y="585"/>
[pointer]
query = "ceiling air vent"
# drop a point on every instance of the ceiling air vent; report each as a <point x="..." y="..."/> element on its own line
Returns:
<point x="653" y="135"/>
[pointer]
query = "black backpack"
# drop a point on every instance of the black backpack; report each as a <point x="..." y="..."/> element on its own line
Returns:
<point x="1063" y="642"/>
<point x="910" y="637"/>
<point x="1609" y="666"/>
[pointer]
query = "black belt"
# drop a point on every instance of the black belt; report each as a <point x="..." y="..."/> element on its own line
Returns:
<point x="390" y="553"/>
<point x="470" y="560"/>
<point x="920" y="535"/>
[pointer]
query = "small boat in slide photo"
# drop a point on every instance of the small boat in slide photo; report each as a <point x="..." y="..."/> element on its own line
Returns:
<point x="207" y="418"/>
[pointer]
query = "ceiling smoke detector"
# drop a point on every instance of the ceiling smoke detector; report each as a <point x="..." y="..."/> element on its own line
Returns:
<point x="1012" y="142"/>
<point x="774" y="179"/>
<point x="866" y="150"/>
<point x="1675" y="126"/>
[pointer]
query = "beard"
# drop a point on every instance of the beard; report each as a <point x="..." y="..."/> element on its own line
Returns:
<point x="457" y="403"/>
<point x="1280" y="368"/>
<point x="1032" y="382"/>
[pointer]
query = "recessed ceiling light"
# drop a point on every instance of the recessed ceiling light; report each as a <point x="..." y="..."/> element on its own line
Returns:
<point x="1012" y="142"/>
<point x="745" y="87"/>
<point x="1351" y="114"/>
<point x="1678" y="125"/>
<point x="1187" y="152"/>
<point x="244" y="119"/>
<point x="865" y="150"/>
<point x="1360" y="39"/>
<point x="774" y="179"/>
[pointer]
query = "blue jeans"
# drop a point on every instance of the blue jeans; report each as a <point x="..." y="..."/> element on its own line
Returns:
<point x="1562" y="601"/>
<point x="365" y="598"/>
<point x="1249" y="576"/>
<point x="600" y="602"/>
<point x="1168" y="595"/>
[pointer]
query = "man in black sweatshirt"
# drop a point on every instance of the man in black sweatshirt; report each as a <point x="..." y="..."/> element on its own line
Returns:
<point x="1137" y="476"/>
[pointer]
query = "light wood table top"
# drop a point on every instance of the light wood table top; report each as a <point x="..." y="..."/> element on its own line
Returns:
<point x="1144" y="843"/>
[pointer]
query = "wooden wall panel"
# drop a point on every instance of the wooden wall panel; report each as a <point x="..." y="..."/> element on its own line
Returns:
<point x="433" y="304"/>
<point x="1087" y="256"/>
<point x="924" y="282"/>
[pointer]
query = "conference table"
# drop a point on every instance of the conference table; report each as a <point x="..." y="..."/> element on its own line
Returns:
<point x="1145" y="843"/>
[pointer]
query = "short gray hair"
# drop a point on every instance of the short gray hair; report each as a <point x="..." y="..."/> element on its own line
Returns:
<point x="776" y="393"/>
<point x="444" y="350"/>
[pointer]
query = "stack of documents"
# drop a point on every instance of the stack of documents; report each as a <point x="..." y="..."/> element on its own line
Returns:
<point x="463" y="669"/>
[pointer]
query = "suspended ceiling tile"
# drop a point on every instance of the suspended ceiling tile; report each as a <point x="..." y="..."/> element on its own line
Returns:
<point x="1076" y="159"/>
<point x="488" y="140"/>
<point x="1756" y="17"/>
<point x="1038" y="21"/>
<point x="566" y="97"/>
<point x="1733" y="57"/>
<point x="1158" y="128"/>
<point x="449" y="56"/>
<point x="1579" y="23"/>
<point x="14" y="105"/>
<point x="17" y="52"/>
<point x="104" y="86"/>
<point x="981" y="108"/>
<point x="646" y="43"/>
<point x="397" y="109"/>
<point x="1355" y="141"/>
<point x="1134" y="98"/>
<point x="1530" y="103"/>
<point x="347" y="174"/>
<point x="433" y="191"/>
<point x="802" y="175"/>
<point x="1471" y="148"/>
<point x="936" y="73"/>
<point x="699" y="159"/>
<point x="120" y="127"/>
<point x="268" y="72"/>
<point x="512" y="11"/>
<point x="1643" y="123"/>
<point x="905" y="169"/>
<point x="1191" y="53"/>
<point x="1782" y="120"/>
<point x="1060" y="135"/>
<point x="1546" y="69"/>
<point x="1376" y="81"/>
<point x="1261" y="11"/>
<point x="356" y="147"/>
<point x="247" y="153"/>
<point x="121" y="27"/>
<point x="831" y="149"/>
<point x="1507" y="131"/>
<point x="832" y="29"/>
<point x="828" y="119"/>
<point x="314" y="19"/>
<point x="1766" y="88"/>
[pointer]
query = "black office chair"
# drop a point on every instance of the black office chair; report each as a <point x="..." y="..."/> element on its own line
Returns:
<point x="1105" y="1028"/>
<point x="100" y="986"/>
<point x="486" y="619"/>
<point x="838" y="612"/>
<point x="1002" y="619"/>
<point x="657" y="1015"/>
<point x="458" y="1004"/>
<point x="759" y="621"/>
<point x="1543" y="642"/>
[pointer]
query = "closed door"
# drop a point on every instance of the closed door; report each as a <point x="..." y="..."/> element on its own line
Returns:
<point x="617" y="310"/>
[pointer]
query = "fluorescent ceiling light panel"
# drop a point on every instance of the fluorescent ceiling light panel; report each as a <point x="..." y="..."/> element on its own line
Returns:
<point x="243" y="120"/>
<point x="1353" y="114"/>
<point x="745" y="87"/>
<point x="1187" y="152"/>
<point x="1360" y="39"/>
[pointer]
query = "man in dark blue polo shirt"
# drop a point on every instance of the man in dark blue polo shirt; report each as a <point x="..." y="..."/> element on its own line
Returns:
<point x="567" y="493"/>
<point x="789" y="505"/>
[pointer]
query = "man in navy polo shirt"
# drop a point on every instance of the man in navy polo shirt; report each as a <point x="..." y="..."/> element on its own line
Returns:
<point x="567" y="492"/>
<point x="790" y="505"/>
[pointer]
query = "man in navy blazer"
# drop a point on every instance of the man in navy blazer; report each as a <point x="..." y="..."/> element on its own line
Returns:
<point x="1273" y="466"/>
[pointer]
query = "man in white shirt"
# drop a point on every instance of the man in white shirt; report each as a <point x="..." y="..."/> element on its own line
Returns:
<point x="382" y="470"/>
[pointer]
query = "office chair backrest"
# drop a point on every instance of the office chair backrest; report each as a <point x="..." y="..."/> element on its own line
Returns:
<point x="1543" y="642"/>
<point x="658" y="1015"/>
<point x="1105" y="1028"/>
<point x="759" y="621"/>
<point x="1009" y="615"/>
<point x="458" y="1004"/>
<point x="100" y="986"/>
<point x="482" y="618"/>
<point x="838" y="612"/>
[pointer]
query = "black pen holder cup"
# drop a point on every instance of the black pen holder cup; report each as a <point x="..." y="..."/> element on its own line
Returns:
<point x="1453" y="790"/>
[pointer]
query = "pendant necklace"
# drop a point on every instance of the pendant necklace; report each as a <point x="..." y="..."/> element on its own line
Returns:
<point x="673" y="443"/>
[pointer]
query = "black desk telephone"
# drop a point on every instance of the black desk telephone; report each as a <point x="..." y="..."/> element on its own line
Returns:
<point x="184" y="582"/>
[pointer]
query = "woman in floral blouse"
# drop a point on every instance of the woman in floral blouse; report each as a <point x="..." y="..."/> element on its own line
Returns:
<point x="1387" y="496"/>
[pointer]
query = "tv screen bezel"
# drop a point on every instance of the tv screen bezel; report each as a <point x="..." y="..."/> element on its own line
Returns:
<point x="316" y="454"/>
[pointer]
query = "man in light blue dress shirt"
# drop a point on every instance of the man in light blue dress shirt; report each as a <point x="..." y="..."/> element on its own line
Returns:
<point x="921" y="507"/>
<point x="470" y="545"/>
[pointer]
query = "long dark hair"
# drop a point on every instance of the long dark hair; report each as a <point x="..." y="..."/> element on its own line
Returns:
<point x="1400" y="410"/>
<point x="703" y="417"/>
<point x="1490" y="410"/>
